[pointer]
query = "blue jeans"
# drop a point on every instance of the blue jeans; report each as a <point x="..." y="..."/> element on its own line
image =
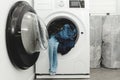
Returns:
<point x="65" y="46"/>
<point x="53" y="62"/>
<point x="66" y="38"/>
<point x="66" y="33"/>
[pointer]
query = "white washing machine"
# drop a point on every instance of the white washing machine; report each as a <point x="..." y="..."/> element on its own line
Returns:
<point x="22" y="37"/>
<point x="76" y="63"/>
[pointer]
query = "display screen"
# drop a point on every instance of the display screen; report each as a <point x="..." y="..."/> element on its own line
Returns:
<point x="77" y="4"/>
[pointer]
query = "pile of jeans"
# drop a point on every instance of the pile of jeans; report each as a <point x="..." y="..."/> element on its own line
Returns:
<point x="61" y="42"/>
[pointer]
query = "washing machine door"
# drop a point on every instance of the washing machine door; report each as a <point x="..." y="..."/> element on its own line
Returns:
<point x="26" y="35"/>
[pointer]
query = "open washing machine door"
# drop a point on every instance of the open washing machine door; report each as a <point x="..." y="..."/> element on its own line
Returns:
<point x="26" y="35"/>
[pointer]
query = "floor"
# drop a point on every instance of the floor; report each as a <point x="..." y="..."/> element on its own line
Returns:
<point x="105" y="74"/>
<point x="99" y="74"/>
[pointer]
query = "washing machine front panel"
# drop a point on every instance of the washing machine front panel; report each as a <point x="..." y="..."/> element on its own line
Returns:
<point x="76" y="61"/>
<point x="23" y="36"/>
<point x="77" y="56"/>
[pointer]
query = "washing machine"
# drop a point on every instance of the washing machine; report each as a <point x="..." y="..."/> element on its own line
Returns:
<point x="76" y="63"/>
<point x="22" y="37"/>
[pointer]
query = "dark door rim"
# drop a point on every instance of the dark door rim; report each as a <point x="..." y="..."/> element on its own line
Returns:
<point x="16" y="51"/>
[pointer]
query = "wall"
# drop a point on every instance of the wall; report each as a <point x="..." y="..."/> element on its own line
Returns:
<point x="109" y="33"/>
<point x="104" y="6"/>
<point x="118" y="6"/>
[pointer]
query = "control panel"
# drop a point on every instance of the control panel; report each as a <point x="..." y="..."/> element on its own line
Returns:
<point x="69" y="4"/>
<point x="58" y="4"/>
<point x="76" y="3"/>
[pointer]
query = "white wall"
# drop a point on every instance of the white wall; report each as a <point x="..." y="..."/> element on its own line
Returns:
<point x="104" y="6"/>
<point x="118" y="6"/>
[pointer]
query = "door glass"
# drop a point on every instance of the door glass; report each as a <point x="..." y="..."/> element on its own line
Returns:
<point x="30" y="33"/>
<point x="43" y="35"/>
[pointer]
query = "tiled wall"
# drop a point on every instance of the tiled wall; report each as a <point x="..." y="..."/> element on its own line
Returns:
<point x="105" y="41"/>
<point x="95" y="40"/>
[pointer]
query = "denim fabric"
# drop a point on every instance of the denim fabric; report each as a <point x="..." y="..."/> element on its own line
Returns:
<point x="61" y="42"/>
<point x="66" y="33"/>
<point x="65" y="46"/>
<point x="53" y="46"/>
<point x="66" y="38"/>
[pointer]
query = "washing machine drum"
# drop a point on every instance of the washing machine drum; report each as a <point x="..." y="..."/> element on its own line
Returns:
<point x="65" y="32"/>
<point x="25" y="37"/>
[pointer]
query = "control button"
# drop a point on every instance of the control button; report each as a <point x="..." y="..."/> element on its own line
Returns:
<point x="61" y="4"/>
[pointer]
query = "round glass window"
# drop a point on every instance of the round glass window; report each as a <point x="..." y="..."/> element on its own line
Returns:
<point x="30" y="33"/>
